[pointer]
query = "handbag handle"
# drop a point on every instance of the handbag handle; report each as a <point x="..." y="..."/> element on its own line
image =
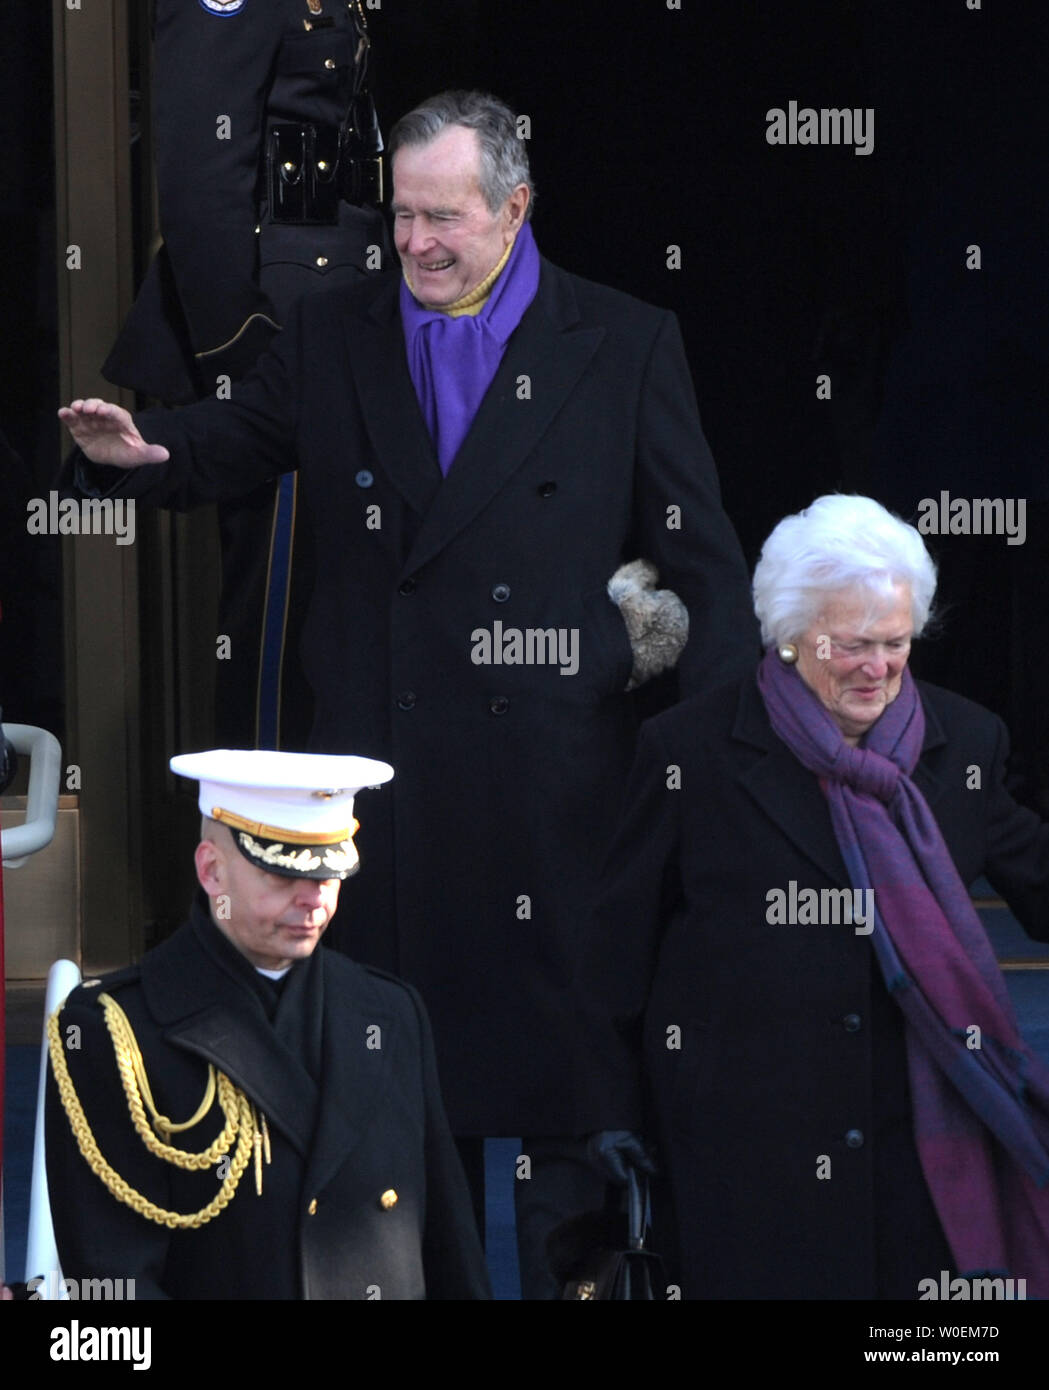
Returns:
<point x="638" y="1214"/>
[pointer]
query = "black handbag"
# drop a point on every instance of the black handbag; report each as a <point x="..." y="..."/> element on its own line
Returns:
<point x="632" y="1273"/>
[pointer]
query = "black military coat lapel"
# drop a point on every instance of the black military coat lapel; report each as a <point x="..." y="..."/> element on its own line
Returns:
<point x="359" y="1040"/>
<point x="202" y="1012"/>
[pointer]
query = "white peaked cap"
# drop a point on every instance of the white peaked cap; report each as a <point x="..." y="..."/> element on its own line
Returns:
<point x="290" y="813"/>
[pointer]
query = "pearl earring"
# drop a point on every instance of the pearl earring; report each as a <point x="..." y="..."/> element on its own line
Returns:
<point x="788" y="653"/>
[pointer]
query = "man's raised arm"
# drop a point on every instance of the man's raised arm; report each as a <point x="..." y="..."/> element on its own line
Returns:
<point x="212" y="451"/>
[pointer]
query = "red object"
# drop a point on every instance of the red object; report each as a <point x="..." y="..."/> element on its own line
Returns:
<point x="3" y="1030"/>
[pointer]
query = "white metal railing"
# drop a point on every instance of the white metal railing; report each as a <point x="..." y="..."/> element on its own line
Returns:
<point x="45" y="770"/>
<point x="41" y="1259"/>
<point x="17" y="844"/>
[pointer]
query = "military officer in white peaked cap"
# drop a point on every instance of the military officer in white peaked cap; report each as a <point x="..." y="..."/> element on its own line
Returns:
<point x="241" y="1115"/>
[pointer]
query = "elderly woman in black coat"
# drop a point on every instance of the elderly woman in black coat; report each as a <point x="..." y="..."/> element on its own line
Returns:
<point x="790" y="990"/>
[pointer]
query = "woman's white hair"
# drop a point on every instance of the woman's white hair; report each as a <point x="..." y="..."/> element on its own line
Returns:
<point x="837" y="543"/>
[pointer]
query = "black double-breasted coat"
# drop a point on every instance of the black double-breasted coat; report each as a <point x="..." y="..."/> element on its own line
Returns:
<point x="753" y="1050"/>
<point x="586" y="451"/>
<point x="362" y="1119"/>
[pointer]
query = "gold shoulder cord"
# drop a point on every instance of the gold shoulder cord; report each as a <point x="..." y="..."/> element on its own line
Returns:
<point x="237" y="1110"/>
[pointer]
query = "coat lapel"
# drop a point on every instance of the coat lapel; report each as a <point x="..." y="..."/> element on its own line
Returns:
<point x="549" y="349"/>
<point x="925" y="777"/>
<point x="203" y="1012"/>
<point x="398" y="432"/>
<point x="245" y="1048"/>
<point x="355" y="1076"/>
<point x="547" y="346"/>
<point x="787" y="792"/>
<point x="790" y="795"/>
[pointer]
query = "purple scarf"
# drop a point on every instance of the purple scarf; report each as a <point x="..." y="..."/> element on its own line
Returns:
<point x="452" y="360"/>
<point x="981" y="1115"/>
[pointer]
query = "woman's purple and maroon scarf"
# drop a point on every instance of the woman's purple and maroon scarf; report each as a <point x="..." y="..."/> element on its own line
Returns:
<point x="981" y="1114"/>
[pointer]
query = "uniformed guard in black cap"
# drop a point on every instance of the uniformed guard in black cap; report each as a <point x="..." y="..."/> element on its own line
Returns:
<point x="270" y="178"/>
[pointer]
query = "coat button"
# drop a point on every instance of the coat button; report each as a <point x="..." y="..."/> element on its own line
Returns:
<point x="499" y="704"/>
<point x="854" y="1139"/>
<point x="312" y="1208"/>
<point x="546" y="489"/>
<point x="388" y="1199"/>
<point x="852" y="1023"/>
<point x="408" y="587"/>
<point x="364" y="478"/>
<point x="322" y="260"/>
<point x="329" y="63"/>
<point x="500" y="592"/>
<point x="406" y="699"/>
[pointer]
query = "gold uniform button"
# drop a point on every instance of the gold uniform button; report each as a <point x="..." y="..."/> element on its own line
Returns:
<point x="388" y="1199"/>
<point x="329" y="62"/>
<point x="322" y="260"/>
<point x="312" y="1208"/>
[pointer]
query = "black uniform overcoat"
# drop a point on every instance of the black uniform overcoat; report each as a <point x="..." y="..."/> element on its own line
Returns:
<point x="225" y="275"/>
<point x="226" y="73"/>
<point x="586" y="451"/>
<point x="372" y="1124"/>
<point x="789" y="1047"/>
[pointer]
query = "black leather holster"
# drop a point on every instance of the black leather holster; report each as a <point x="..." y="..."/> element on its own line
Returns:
<point x="311" y="167"/>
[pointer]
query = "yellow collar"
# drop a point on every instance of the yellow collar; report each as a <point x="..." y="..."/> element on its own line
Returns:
<point x="474" y="300"/>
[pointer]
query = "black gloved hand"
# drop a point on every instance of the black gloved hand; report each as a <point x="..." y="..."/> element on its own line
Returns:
<point x="613" y="1151"/>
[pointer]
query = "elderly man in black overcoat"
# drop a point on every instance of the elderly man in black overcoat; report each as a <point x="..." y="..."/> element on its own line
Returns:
<point x="481" y="443"/>
<point x="306" y="1082"/>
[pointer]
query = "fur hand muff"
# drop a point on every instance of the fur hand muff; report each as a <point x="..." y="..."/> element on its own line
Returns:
<point x="656" y="619"/>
